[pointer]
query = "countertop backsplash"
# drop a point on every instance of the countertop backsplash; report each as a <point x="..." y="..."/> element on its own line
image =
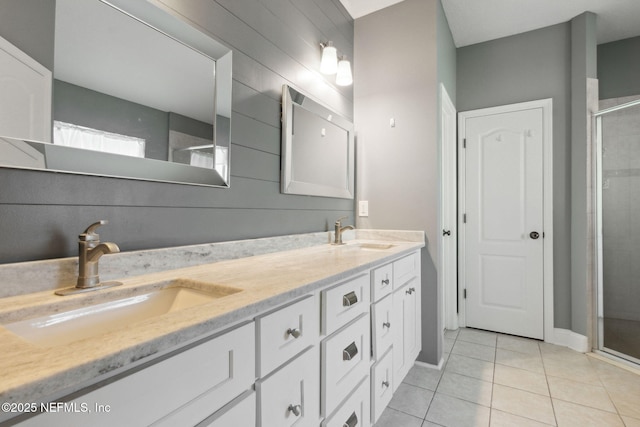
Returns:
<point x="36" y="276"/>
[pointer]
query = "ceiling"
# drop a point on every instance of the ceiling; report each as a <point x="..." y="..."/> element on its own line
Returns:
<point x="476" y="21"/>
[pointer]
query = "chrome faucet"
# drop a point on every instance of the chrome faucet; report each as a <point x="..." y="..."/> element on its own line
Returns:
<point x="90" y="251"/>
<point x="339" y="229"/>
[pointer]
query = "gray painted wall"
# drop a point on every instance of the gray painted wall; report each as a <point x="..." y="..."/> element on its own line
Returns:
<point x="619" y="68"/>
<point x="396" y="77"/>
<point x="274" y="42"/>
<point x="525" y="67"/>
<point x="583" y="66"/>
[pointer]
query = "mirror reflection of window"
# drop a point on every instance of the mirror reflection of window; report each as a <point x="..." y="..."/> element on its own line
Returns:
<point x="71" y="135"/>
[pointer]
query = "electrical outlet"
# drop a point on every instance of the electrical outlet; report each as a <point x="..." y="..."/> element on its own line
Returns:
<point x="363" y="208"/>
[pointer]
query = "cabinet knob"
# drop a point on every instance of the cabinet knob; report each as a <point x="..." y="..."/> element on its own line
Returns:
<point x="386" y="325"/>
<point x="385" y="282"/>
<point x="294" y="332"/>
<point x="350" y="352"/>
<point x="295" y="409"/>
<point x="352" y="421"/>
<point x="349" y="299"/>
<point x="385" y="383"/>
<point x="410" y="291"/>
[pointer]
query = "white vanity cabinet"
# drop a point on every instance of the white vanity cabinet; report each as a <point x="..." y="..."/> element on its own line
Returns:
<point x="406" y="315"/>
<point x="239" y="412"/>
<point x="183" y="389"/>
<point x="344" y="302"/>
<point x="291" y="395"/>
<point x="285" y="332"/>
<point x="354" y="412"/>
<point x="289" y="365"/>
<point x="346" y="347"/>
<point x="395" y="327"/>
<point x="333" y="357"/>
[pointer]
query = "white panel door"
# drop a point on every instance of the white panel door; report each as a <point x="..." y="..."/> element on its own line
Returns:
<point x="504" y="222"/>
<point x="25" y="95"/>
<point x="448" y="264"/>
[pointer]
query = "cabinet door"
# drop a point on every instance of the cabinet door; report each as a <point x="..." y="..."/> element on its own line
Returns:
<point x="405" y="268"/>
<point x="286" y="332"/>
<point x="290" y="396"/>
<point x="413" y="342"/>
<point x="381" y="385"/>
<point x="345" y="361"/>
<point x="193" y="383"/>
<point x="241" y="413"/>
<point x="355" y="411"/>
<point x="406" y="337"/>
<point x="382" y="326"/>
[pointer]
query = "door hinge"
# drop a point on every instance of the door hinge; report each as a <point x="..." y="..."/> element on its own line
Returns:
<point x="464" y="218"/>
<point x="464" y="142"/>
<point x="464" y="293"/>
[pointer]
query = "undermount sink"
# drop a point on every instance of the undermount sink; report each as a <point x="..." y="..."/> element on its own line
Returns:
<point x="98" y="316"/>
<point x="376" y="246"/>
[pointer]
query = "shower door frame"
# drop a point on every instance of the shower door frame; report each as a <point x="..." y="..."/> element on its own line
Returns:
<point x="599" y="237"/>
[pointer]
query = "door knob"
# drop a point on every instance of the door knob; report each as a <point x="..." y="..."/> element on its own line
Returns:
<point x="296" y="409"/>
<point x="534" y="235"/>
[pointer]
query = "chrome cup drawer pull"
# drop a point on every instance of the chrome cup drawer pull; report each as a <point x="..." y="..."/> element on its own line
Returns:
<point x="350" y="352"/>
<point x="352" y="421"/>
<point x="294" y="332"/>
<point x="349" y="299"/>
<point x="295" y="409"/>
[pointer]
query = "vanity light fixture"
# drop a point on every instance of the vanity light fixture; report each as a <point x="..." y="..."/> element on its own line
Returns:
<point x="329" y="62"/>
<point x="330" y="65"/>
<point x="344" y="76"/>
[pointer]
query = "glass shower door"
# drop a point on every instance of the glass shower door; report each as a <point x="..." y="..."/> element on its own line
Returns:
<point x="618" y="202"/>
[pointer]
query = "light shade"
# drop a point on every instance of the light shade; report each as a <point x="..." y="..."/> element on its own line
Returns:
<point x="329" y="62"/>
<point x="344" y="77"/>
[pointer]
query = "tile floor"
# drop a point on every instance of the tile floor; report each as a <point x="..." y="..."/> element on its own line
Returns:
<point x="499" y="380"/>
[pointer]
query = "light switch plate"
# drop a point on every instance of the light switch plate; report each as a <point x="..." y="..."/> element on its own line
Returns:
<point x="363" y="208"/>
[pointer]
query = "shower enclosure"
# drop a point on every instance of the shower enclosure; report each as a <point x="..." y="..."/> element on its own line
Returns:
<point x="617" y="127"/>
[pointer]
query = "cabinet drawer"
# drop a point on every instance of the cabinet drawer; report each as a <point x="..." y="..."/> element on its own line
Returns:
<point x="381" y="282"/>
<point x="405" y="268"/>
<point x="241" y="412"/>
<point x="344" y="302"/>
<point x="213" y="373"/>
<point x="286" y="332"/>
<point x="290" y="395"/>
<point x="345" y="361"/>
<point x="382" y="326"/>
<point x="381" y="385"/>
<point x="355" y="410"/>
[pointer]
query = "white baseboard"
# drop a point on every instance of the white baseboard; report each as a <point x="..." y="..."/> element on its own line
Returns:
<point x="570" y="339"/>
<point x="431" y="366"/>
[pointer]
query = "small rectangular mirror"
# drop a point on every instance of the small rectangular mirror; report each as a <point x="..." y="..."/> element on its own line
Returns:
<point x="318" y="155"/>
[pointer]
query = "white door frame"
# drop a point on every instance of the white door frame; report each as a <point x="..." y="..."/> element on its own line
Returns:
<point x="447" y="272"/>
<point x="547" y="109"/>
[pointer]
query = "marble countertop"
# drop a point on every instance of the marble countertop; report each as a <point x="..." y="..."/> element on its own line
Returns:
<point x="31" y="373"/>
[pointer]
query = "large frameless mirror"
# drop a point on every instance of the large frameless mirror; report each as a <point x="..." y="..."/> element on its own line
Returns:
<point x="137" y="93"/>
